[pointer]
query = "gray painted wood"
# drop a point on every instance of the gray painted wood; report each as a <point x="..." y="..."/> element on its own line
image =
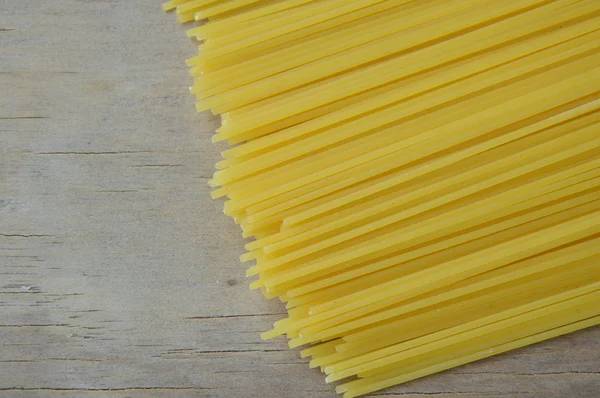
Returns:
<point x="118" y="274"/>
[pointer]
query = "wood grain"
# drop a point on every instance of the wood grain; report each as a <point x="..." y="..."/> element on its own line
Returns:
<point x="118" y="274"/>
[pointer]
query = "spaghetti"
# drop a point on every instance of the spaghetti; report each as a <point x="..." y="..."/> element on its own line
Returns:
<point x="421" y="179"/>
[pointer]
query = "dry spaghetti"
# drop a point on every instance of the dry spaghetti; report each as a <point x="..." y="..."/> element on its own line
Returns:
<point x="421" y="179"/>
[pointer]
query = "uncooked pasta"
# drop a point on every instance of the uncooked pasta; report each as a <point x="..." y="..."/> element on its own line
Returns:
<point x="419" y="181"/>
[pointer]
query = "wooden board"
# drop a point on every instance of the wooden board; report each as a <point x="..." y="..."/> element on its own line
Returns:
<point x="118" y="273"/>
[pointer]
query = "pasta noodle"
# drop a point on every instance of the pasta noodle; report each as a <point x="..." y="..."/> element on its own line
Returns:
<point x="420" y="179"/>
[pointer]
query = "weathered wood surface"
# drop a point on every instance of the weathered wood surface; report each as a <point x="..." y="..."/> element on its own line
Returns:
<point x="118" y="274"/>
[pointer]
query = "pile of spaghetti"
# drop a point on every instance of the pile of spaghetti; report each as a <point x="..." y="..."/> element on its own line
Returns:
<point x="421" y="178"/>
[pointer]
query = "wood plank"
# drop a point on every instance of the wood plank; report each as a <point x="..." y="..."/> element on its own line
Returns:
<point x="118" y="273"/>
